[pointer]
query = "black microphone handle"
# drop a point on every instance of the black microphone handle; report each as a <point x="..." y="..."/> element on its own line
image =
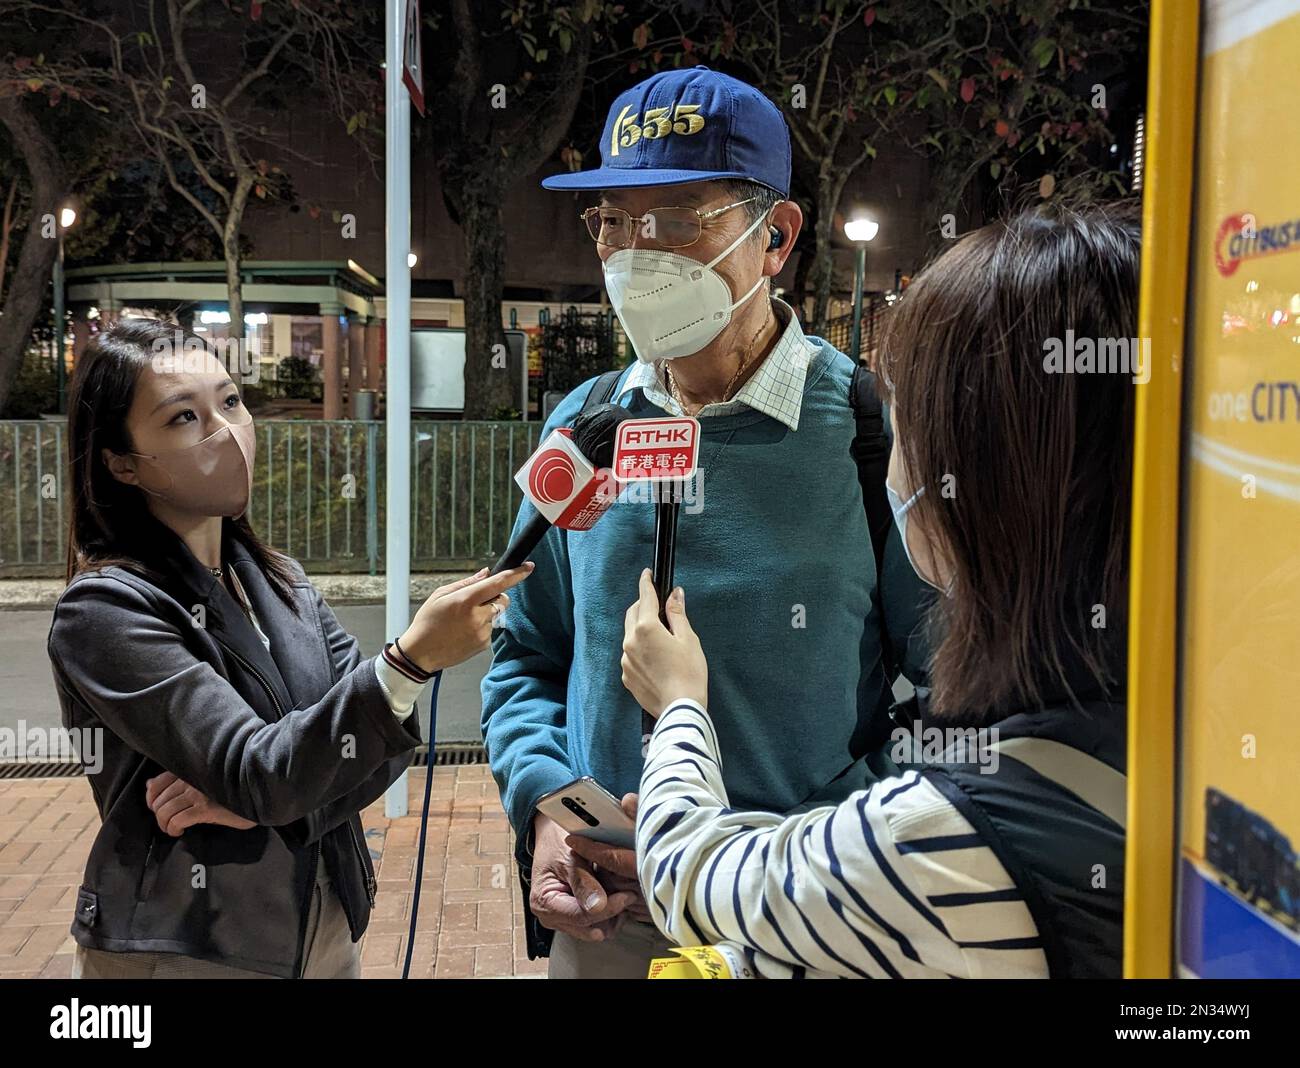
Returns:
<point x="666" y="513"/>
<point x="521" y="547"/>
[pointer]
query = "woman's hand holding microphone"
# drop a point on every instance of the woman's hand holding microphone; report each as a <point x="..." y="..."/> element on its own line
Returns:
<point x="456" y="621"/>
<point x="662" y="664"/>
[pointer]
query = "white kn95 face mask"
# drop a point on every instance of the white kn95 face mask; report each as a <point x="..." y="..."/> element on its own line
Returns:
<point x="669" y="304"/>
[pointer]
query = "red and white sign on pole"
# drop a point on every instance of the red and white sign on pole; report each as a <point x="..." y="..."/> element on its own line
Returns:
<point x="412" y="62"/>
<point x="656" y="450"/>
<point x="563" y="485"/>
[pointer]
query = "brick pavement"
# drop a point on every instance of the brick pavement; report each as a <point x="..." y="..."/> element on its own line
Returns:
<point x="471" y="919"/>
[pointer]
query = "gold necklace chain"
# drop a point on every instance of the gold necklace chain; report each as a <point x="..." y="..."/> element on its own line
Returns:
<point x="749" y="355"/>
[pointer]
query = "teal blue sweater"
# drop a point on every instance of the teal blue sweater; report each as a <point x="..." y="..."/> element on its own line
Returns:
<point x="779" y="574"/>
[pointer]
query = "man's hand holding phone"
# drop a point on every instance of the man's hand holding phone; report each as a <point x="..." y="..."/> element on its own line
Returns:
<point x="584" y="898"/>
<point x="615" y="867"/>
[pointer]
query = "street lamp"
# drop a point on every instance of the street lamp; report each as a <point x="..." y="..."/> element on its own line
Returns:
<point x="67" y="216"/>
<point x="859" y="230"/>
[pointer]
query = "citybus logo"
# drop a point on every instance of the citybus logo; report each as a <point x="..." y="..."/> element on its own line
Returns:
<point x="1240" y="237"/>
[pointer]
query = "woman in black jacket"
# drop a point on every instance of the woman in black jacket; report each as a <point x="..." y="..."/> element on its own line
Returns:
<point x="242" y="730"/>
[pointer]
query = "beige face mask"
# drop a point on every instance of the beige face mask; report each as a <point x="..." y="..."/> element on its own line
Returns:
<point x="211" y="477"/>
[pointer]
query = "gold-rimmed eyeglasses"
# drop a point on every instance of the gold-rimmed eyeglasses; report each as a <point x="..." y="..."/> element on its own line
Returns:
<point x="666" y="227"/>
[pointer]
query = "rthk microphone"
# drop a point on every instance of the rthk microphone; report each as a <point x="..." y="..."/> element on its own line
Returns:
<point x="567" y="480"/>
<point x="664" y="453"/>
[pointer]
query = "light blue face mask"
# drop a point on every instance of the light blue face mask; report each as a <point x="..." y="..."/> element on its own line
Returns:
<point x="900" y="508"/>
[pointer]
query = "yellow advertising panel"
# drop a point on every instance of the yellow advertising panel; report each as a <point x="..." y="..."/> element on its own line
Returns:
<point x="1238" y="911"/>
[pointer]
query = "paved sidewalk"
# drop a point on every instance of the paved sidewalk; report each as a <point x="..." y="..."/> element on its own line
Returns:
<point x="471" y="919"/>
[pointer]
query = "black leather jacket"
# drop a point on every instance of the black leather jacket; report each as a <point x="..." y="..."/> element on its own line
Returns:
<point x="298" y="740"/>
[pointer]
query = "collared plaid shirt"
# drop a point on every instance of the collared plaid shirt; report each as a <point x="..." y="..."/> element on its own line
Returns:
<point x="775" y="389"/>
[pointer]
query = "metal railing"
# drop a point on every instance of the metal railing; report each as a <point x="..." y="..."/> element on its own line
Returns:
<point x="839" y="330"/>
<point x="318" y="492"/>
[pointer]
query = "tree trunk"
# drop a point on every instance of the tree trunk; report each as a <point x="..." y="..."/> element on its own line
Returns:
<point x="235" y="305"/>
<point x="823" y="269"/>
<point x="31" y="275"/>
<point x="234" y="294"/>
<point x="234" y="283"/>
<point x="6" y="228"/>
<point x="488" y="381"/>
<point x="477" y="164"/>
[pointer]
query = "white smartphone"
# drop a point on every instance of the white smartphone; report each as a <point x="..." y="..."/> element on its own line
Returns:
<point x="586" y="808"/>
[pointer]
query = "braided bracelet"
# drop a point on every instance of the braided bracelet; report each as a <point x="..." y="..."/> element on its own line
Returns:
<point x="404" y="663"/>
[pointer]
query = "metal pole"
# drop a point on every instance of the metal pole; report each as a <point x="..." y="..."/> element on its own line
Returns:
<point x="59" y="370"/>
<point x="859" y="280"/>
<point x="372" y="494"/>
<point x="397" y="282"/>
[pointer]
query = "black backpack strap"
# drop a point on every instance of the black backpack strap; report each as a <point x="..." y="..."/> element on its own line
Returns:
<point x="870" y="451"/>
<point x="602" y="390"/>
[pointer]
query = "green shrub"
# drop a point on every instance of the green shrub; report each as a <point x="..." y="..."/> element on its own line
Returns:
<point x="36" y="389"/>
<point x="296" y="377"/>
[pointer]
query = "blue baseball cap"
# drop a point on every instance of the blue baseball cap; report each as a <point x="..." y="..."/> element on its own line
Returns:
<point x="688" y="126"/>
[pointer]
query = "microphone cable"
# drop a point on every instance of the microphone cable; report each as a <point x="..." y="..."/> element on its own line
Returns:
<point x="424" y="820"/>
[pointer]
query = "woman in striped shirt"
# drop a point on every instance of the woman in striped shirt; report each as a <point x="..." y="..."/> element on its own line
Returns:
<point x="1002" y="854"/>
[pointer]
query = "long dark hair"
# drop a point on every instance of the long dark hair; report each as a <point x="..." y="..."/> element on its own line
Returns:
<point x="1036" y="465"/>
<point x="111" y="521"/>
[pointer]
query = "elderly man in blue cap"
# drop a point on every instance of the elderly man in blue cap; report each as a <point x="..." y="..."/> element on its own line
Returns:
<point x="690" y="219"/>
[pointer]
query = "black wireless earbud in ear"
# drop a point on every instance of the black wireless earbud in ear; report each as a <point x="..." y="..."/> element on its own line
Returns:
<point x="778" y="239"/>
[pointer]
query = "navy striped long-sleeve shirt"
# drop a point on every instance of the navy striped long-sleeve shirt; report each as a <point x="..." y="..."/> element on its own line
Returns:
<point x="892" y="882"/>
